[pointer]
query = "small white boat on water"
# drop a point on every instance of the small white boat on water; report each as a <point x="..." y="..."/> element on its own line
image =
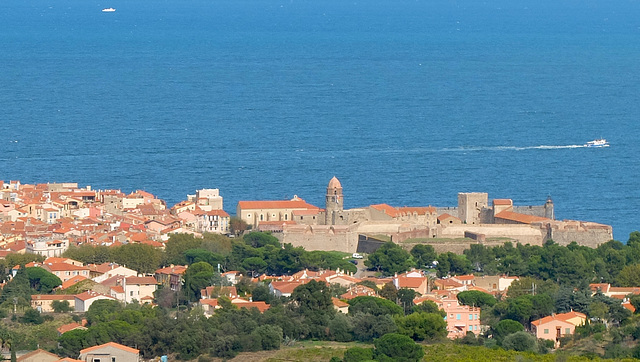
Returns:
<point x="597" y="143"/>
<point x="108" y="10"/>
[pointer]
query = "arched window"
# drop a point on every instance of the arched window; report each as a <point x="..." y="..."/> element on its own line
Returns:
<point x="261" y="217"/>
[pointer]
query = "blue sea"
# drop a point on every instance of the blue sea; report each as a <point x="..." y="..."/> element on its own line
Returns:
<point x="406" y="102"/>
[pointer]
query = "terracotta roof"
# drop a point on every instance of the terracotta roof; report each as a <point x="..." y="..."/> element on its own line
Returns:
<point x="338" y="303"/>
<point x="63" y="267"/>
<point x="286" y="287"/>
<point x="563" y="317"/>
<point x="262" y="306"/>
<point x="36" y="353"/>
<point x="503" y="202"/>
<point x="446" y="216"/>
<point x="221" y="213"/>
<point x="284" y="204"/>
<point x="141" y="280"/>
<point x="90" y="294"/>
<point x="69" y="327"/>
<point x="67" y="359"/>
<point x="175" y="269"/>
<point x="110" y="344"/>
<point x="118" y="289"/>
<point x="407" y="282"/>
<point x="387" y="209"/>
<point x="521" y="218"/>
<point x="76" y="279"/>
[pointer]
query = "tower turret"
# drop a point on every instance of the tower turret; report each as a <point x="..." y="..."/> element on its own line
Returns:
<point x="548" y="209"/>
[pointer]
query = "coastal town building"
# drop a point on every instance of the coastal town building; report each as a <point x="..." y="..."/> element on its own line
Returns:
<point x="556" y="326"/>
<point x="110" y="352"/>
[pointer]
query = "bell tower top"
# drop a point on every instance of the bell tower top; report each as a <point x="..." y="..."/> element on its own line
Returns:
<point x="334" y="184"/>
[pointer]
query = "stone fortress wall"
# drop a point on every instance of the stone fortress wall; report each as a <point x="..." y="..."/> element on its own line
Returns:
<point x="477" y="219"/>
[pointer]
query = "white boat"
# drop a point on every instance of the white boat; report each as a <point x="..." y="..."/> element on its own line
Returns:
<point x="597" y="143"/>
<point x="108" y="10"/>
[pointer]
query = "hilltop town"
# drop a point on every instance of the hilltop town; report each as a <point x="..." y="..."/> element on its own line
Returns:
<point x="123" y="276"/>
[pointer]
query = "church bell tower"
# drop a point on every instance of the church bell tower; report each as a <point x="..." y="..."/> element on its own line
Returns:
<point x="334" y="201"/>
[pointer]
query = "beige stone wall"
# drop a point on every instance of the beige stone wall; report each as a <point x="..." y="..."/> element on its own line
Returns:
<point x="524" y="234"/>
<point x="321" y="237"/>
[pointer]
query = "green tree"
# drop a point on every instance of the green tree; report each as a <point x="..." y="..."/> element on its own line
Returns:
<point x="102" y="310"/>
<point x="270" y="336"/>
<point x="390" y="258"/>
<point x="61" y="306"/>
<point x="254" y="266"/>
<point x="177" y="245"/>
<point x="41" y="280"/>
<point x="424" y="256"/>
<point x="629" y="276"/>
<point x="142" y="258"/>
<point x="504" y="328"/>
<point x="422" y="326"/>
<point x="374" y="306"/>
<point x="428" y="307"/>
<point x="389" y="291"/>
<point x="476" y="298"/>
<point x="450" y="263"/>
<point x="367" y="327"/>
<point x="197" y="277"/>
<point x="398" y="348"/>
<point x="405" y="299"/>
<point x="520" y="341"/>
<point x="341" y="328"/>
<point x="313" y="297"/>
<point x="32" y="316"/>
<point x="358" y="354"/>
<point x="237" y="226"/>
<point x="258" y="239"/>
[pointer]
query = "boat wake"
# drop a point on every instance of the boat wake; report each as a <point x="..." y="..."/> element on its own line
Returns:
<point x="513" y="148"/>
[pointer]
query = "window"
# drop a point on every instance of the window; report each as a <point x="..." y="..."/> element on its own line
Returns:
<point x="113" y="359"/>
<point x="470" y="317"/>
<point x="261" y="217"/>
<point x="471" y="328"/>
<point x="286" y="217"/>
<point x="458" y="316"/>
<point x="567" y="331"/>
<point x="546" y="331"/>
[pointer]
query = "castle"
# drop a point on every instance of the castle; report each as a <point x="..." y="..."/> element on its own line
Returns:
<point x="474" y="220"/>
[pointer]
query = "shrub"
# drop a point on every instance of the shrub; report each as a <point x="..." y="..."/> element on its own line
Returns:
<point x="358" y="354"/>
<point x="397" y="347"/>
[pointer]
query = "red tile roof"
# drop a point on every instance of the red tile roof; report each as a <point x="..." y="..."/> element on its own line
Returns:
<point x="73" y="281"/>
<point x="69" y="327"/>
<point x="36" y="353"/>
<point x="503" y="202"/>
<point x="387" y="209"/>
<point x="110" y="344"/>
<point x="521" y="218"/>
